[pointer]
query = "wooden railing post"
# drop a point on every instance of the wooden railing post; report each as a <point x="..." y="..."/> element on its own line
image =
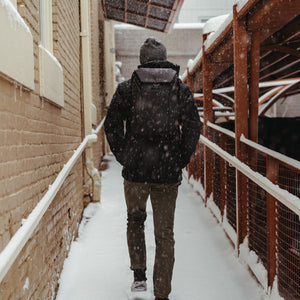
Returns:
<point x="272" y="217"/>
<point x="189" y="79"/>
<point x="254" y="86"/>
<point x="223" y="176"/>
<point x="253" y="117"/>
<point x="208" y="116"/>
<point x="241" y="119"/>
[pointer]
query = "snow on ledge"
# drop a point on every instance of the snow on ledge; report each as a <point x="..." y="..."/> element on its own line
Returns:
<point x="14" y="17"/>
<point x="240" y="4"/>
<point x="16" y="53"/>
<point x="195" y="61"/>
<point x="252" y="260"/>
<point x="214" y="208"/>
<point x="197" y="186"/>
<point x="214" y="23"/>
<point x="229" y="229"/>
<point x="226" y="21"/>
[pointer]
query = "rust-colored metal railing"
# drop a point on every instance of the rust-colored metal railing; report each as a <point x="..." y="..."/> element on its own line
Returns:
<point x="273" y="205"/>
<point x="253" y="191"/>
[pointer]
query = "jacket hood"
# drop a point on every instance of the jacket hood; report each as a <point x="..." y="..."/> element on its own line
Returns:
<point x="161" y="64"/>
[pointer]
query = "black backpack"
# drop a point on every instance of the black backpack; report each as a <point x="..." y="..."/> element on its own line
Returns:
<point x="155" y="108"/>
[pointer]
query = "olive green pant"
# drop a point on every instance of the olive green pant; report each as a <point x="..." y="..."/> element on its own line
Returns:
<point x="163" y="200"/>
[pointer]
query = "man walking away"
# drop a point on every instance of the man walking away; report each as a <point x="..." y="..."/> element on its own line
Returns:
<point x="162" y="128"/>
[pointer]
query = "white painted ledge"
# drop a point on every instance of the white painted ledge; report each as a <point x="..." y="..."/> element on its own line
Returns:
<point x="51" y="77"/>
<point x="16" y="51"/>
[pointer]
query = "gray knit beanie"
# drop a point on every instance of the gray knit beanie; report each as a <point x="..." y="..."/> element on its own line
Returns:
<point x="152" y="49"/>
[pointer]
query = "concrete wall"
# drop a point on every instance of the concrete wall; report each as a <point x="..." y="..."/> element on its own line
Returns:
<point x="36" y="139"/>
<point x="183" y="43"/>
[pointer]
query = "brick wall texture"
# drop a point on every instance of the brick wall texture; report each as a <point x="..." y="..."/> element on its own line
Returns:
<point x="36" y="139"/>
<point x="97" y="97"/>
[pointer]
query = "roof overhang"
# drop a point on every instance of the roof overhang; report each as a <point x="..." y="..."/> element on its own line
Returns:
<point x="157" y="15"/>
<point x="278" y="23"/>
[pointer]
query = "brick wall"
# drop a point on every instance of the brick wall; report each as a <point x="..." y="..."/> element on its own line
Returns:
<point x="97" y="99"/>
<point x="36" y="139"/>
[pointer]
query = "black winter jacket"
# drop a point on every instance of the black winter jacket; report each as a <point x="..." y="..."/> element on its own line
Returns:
<point x="152" y="161"/>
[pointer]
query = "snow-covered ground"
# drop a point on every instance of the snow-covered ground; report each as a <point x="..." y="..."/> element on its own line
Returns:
<point x="205" y="268"/>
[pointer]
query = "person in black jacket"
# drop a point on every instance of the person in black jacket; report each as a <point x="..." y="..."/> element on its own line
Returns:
<point x="152" y="165"/>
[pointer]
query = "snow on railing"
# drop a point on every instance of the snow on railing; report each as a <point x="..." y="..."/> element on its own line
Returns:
<point x="96" y="131"/>
<point x="17" y="242"/>
<point x="221" y="129"/>
<point x="289" y="200"/>
<point x="293" y="163"/>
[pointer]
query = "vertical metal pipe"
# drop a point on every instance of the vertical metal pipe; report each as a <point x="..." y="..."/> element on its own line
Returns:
<point x="208" y="116"/>
<point x="272" y="217"/>
<point x="241" y="119"/>
<point x="87" y="94"/>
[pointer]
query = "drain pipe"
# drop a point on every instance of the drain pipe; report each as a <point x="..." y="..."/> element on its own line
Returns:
<point x="87" y="94"/>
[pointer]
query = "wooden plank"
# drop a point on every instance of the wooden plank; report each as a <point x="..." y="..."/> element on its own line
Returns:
<point x="208" y="117"/>
<point x="241" y="124"/>
<point x="272" y="217"/>
<point x="254" y="86"/>
<point x="271" y="15"/>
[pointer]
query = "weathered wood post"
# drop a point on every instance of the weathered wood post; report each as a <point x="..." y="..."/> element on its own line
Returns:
<point x="241" y="119"/>
<point x="208" y="116"/>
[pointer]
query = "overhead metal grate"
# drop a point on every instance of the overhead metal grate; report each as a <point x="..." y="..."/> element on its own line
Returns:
<point x="157" y="15"/>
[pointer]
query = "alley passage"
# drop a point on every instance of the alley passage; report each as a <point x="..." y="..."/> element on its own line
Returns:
<point x="206" y="267"/>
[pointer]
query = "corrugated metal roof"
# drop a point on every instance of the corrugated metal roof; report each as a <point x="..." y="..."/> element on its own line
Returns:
<point x="158" y="15"/>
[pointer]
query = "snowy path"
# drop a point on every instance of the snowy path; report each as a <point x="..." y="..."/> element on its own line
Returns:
<point x="205" y="267"/>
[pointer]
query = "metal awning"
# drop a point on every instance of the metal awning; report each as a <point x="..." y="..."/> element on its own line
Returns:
<point x="158" y="15"/>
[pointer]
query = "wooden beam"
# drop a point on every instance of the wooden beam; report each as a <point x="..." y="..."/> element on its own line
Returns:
<point x="223" y="176"/>
<point x="272" y="217"/>
<point x="208" y="117"/>
<point x="271" y="15"/>
<point x="254" y="86"/>
<point x="282" y="49"/>
<point x="241" y="120"/>
<point x="289" y="32"/>
<point x="274" y="71"/>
